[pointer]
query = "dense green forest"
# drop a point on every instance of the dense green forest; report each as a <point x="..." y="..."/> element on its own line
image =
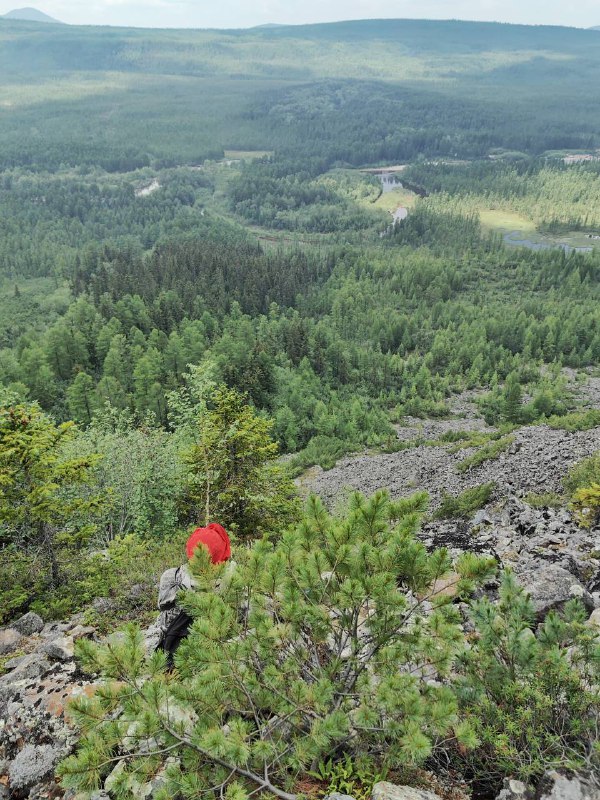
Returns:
<point x="201" y="271"/>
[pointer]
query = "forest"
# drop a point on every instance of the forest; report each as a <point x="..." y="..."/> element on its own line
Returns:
<point x="206" y="291"/>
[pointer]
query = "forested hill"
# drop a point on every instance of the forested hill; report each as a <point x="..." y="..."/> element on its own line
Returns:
<point x="353" y="91"/>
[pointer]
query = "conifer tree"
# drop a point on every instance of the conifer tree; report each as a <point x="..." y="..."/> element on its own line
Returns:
<point x="334" y="639"/>
<point x="42" y="507"/>
<point x="233" y="477"/>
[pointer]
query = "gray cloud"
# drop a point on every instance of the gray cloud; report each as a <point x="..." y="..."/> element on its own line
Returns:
<point x="244" y="13"/>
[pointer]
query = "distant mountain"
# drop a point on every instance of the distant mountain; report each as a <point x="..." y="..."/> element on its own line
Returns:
<point x="30" y="15"/>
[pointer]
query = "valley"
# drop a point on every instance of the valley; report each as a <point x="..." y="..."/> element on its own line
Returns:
<point x="334" y="287"/>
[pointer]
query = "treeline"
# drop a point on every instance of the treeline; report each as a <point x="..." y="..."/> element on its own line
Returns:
<point x="329" y="345"/>
<point x="45" y="221"/>
<point x="554" y="195"/>
<point x="296" y="195"/>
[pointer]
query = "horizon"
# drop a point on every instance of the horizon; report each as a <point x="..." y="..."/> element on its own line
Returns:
<point x="184" y="14"/>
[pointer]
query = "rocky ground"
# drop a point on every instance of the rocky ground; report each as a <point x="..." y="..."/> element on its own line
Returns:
<point x="550" y="554"/>
<point x="537" y="462"/>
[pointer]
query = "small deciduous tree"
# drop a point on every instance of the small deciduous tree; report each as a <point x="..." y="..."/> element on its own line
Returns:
<point x="334" y="639"/>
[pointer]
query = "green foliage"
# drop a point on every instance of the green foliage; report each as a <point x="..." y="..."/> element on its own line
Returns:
<point x="545" y="500"/>
<point x="232" y="476"/>
<point x="43" y="506"/>
<point x="532" y="696"/>
<point x="583" y="474"/>
<point x="140" y="474"/>
<point x="485" y="453"/>
<point x="125" y="573"/>
<point x="316" y="643"/>
<point x="354" y="777"/>
<point x="467" y="502"/>
<point x="586" y="504"/>
<point x="576" y="421"/>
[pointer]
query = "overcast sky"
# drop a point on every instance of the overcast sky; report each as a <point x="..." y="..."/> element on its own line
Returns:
<point x="246" y="13"/>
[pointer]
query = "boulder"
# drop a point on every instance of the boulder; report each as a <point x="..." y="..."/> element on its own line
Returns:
<point x="28" y="624"/>
<point x="389" y="791"/>
<point x="32" y="764"/>
<point x="513" y="790"/>
<point x="62" y="649"/>
<point x="594" y="619"/>
<point x="82" y="632"/>
<point x="25" y="668"/>
<point x="9" y="640"/>
<point x="103" y="605"/>
<point x="551" y="587"/>
<point x="338" y="796"/>
<point x="555" y="786"/>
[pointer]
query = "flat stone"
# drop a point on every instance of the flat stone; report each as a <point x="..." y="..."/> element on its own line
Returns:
<point x="31" y="666"/>
<point x="338" y="796"/>
<point x="9" y="640"/>
<point x="82" y="632"/>
<point x="389" y="791"/>
<point x="32" y="764"/>
<point x="62" y="649"/>
<point x="28" y="624"/>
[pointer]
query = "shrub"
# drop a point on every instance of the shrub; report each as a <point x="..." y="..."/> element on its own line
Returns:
<point x="486" y="453"/>
<point x="577" y="421"/>
<point x="531" y="695"/>
<point x="583" y="474"/>
<point x="586" y="505"/>
<point x="546" y="500"/>
<point x="111" y="573"/>
<point x="464" y="504"/>
<point x="232" y="473"/>
<point x="353" y="777"/>
<point x="321" y="450"/>
<point x="320" y="644"/>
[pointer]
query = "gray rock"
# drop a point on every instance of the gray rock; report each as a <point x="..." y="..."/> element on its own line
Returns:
<point x="62" y="649"/>
<point x="550" y="586"/>
<point x="28" y="624"/>
<point x="152" y="637"/>
<point x="32" y="764"/>
<point x="389" y="791"/>
<point x="555" y="786"/>
<point x="338" y="796"/>
<point x="594" y="619"/>
<point x="137" y="591"/>
<point x="481" y="518"/>
<point x="513" y="790"/>
<point x="82" y="632"/>
<point x="9" y="640"/>
<point x="31" y="666"/>
<point x="103" y="604"/>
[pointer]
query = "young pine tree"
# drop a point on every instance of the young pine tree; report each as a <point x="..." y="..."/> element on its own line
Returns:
<point x="333" y="640"/>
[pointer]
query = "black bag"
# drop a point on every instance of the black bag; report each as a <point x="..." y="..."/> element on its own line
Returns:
<point x="177" y="630"/>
